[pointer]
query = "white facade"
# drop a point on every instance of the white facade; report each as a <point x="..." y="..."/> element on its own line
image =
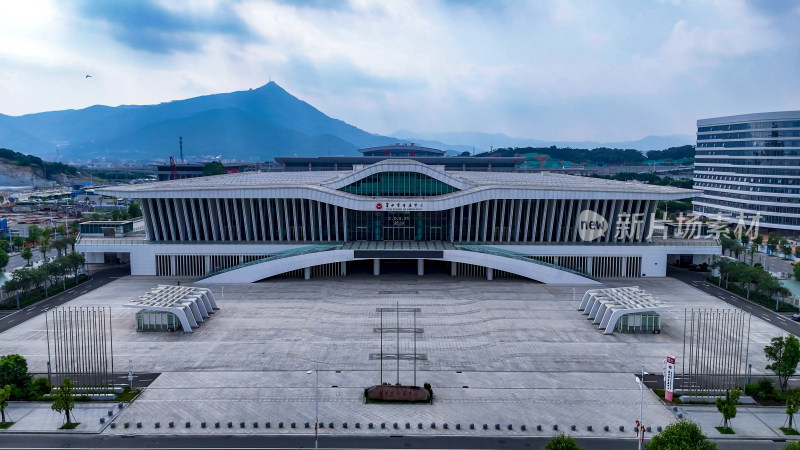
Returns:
<point x="268" y="221"/>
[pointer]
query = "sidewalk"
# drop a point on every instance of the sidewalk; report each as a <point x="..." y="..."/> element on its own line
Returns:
<point x="762" y="422"/>
<point x="38" y="417"/>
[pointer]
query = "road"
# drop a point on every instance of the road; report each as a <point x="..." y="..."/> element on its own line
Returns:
<point x="10" y="319"/>
<point x="15" y="261"/>
<point x="78" y="441"/>
<point x="697" y="280"/>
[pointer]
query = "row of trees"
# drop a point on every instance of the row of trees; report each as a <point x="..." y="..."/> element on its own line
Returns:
<point x="49" y="273"/>
<point x="134" y="211"/>
<point x="749" y="277"/>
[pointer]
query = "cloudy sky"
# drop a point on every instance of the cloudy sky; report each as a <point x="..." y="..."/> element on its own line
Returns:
<point x="562" y="70"/>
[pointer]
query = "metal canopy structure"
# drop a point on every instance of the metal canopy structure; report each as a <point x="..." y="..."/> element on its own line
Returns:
<point x="191" y="305"/>
<point x="606" y="306"/>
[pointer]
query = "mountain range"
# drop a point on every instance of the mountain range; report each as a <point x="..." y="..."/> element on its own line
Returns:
<point x="256" y="125"/>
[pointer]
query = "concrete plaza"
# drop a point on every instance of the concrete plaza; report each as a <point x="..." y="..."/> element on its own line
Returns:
<point x="507" y="351"/>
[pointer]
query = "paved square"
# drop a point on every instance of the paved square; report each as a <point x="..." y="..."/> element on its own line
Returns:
<point x="507" y="351"/>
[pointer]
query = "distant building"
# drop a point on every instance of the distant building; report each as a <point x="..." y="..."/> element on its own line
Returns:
<point x="750" y="164"/>
<point x="193" y="170"/>
<point x="410" y="151"/>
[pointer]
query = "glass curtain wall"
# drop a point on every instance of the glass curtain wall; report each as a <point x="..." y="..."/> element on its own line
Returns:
<point x="398" y="184"/>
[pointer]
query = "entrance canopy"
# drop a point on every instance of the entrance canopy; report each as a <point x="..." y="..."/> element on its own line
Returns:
<point x="191" y="305"/>
<point x="606" y="306"/>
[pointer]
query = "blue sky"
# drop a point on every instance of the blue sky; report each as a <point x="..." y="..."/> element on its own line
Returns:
<point x="560" y="70"/>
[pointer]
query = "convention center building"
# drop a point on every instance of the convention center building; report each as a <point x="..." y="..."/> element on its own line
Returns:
<point x="398" y="214"/>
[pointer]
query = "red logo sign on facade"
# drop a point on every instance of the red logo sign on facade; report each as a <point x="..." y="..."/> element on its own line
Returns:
<point x="379" y="206"/>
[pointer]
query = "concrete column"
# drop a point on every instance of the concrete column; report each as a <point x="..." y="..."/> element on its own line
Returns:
<point x="589" y="260"/>
<point x="453" y="269"/>
<point x="307" y="273"/>
<point x="489" y="273"/>
<point x="344" y="268"/>
<point x="208" y="264"/>
<point x="376" y="266"/>
<point x="172" y="265"/>
<point x="420" y="267"/>
<point x="624" y="266"/>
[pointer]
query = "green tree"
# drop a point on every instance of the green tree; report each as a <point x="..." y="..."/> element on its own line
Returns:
<point x="792" y="404"/>
<point x="74" y="262"/>
<point x="45" y="245"/>
<point x="785" y="248"/>
<point x="682" y="434"/>
<point x="794" y="445"/>
<point x="60" y="245"/>
<point x="73" y="226"/>
<point x="785" y="355"/>
<point x="27" y="254"/>
<point x="772" y="243"/>
<point x="5" y="394"/>
<point x="14" y="371"/>
<point x="18" y="242"/>
<point x="3" y="259"/>
<point x="61" y="229"/>
<point x="63" y="399"/>
<point x="214" y="168"/>
<point x="745" y="238"/>
<point x="561" y="442"/>
<point x="727" y="406"/>
<point x="134" y="210"/>
<point x="33" y="233"/>
<point x="71" y="240"/>
<point x="796" y="271"/>
<point x="115" y="215"/>
<point x="752" y="251"/>
<point x="4" y="245"/>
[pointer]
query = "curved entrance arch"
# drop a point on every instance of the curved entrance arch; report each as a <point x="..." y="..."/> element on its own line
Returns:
<point x="533" y="270"/>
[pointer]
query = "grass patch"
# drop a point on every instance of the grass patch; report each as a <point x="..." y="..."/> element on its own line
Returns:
<point x="5" y="425"/>
<point x="71" y="426"/>
<point x="676" y="398"/>
<point x="790" y="431"/>
<point x="723" y="430"/>
<point x="128" y="395"/>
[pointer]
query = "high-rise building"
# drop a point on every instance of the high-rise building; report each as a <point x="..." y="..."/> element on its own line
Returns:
<point x="750" y="165"/>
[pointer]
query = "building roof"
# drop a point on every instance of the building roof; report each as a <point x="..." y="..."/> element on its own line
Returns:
<point x="192" y="305"/>
<point x="462" y="180"/>
<point x="605" y="306"/>
<point x="776" y="115"/>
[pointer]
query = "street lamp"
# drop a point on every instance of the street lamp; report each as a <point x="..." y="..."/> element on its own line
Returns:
<point x="316" y="405"/>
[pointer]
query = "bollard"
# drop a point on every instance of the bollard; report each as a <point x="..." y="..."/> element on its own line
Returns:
<point x="497" y="426"/>
<point x="188" y="424"/>
<point x="216" y="424"/>
<point x="659" y="429"/>
<point x="510" y="427"/>
<point x="110" y="412"/>
<point x="102" y="420"/>
<point x="241" y="425"/>
<point x="675" y="408"/>
<point x="472" y="426"/>
<point x="647" y="429"/>
<point x="113" y="425"/>
<point x="408" y="425"/>
<point x="138" y="424"/>
<point x="280" y="424"/>
<point x="230" y="424"/>
<point x="255" y="424"/>
<point x="395" y="425"/>
<point x="522" y="427"/>
<point x="369" y="425"/>
<point x="330" y="424"/>
<point x="294" y="425"/>
<point x="203" y="424"/>
<point x="383" y="425"/>
<point x="172" y="424"/>
<point x="119" y="405"/>
<point x="267" y="424"/>
<point x="322" y="424"/>
<point x="680" y="415"/>
<point x="621" y="428"/>
<point x="307" y="425"/>
<point x="458" y="426"/>
<point x="605" y="427"/>
<point x="126" y="424"/>
<point x="573" y="427"/>
<point x="444" y="425"/>
<point x="555" y="427"/>
<point x="358" y="424"/>
<point x="538" y="428"/>
<point x="419" y="425"/>
<point x="433" y="424"/>
<point x="344" y="424"/>
<point x="589" y="428"/>
<point x="485" y="426"/>
<point x="158" y="424"/>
